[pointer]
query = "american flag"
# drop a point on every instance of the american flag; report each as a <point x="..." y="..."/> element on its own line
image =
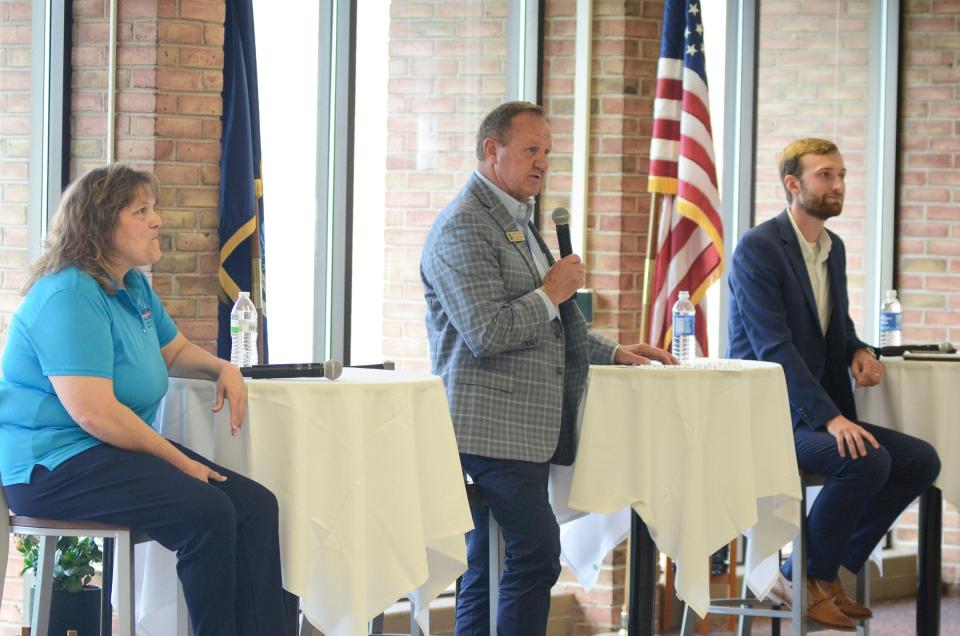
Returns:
<point x="682" y="169"/>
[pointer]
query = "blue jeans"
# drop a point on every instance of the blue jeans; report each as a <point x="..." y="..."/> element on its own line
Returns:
<point x="862" y="497"/>
<point x="516" y="492"/>
<point x="225" y="534"/>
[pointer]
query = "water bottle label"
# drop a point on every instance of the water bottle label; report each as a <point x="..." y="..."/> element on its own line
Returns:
<point x="683" y="325"/>
<point x="243" y="326"/>
<point x="891" y="321"/>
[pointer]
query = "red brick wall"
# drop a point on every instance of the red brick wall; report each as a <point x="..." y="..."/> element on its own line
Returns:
<point x="928" y="228"/>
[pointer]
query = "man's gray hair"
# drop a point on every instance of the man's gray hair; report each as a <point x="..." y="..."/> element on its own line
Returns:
<point x="497" y="122"/>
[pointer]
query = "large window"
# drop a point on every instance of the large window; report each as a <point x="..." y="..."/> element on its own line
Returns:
<point x="822" y="69"/>
<point x="400" y="88"/>
<point x="288" y="127"/>
<point x="424" y="89"/>
<point x="813" y="80"/>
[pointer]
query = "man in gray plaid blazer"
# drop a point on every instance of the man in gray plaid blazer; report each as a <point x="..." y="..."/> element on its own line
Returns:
<point x="513" y="350"/>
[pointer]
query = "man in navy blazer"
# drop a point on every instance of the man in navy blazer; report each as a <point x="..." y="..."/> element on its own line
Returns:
<point x="789" y="305"/>
<point x="513" y="351"/>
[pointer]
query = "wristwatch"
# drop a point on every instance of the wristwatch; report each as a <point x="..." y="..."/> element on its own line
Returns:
<point x="871" y="351"/>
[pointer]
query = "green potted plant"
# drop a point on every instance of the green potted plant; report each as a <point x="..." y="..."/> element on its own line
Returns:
<point x="75" y="604"/>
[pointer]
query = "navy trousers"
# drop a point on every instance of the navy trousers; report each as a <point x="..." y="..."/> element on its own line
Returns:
<point x="225" y="534"/>
<point x="862" y="497"/>
<point x="516" y="492"/>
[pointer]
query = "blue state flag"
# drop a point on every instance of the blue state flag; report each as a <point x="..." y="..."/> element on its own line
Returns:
<point x="241" y="187"/>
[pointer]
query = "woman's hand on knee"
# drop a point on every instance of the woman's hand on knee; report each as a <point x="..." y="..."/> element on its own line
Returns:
<point x="201" y="471"/>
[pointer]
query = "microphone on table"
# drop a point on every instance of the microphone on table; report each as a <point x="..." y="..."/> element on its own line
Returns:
<point x="331" y="370"/>
<point x="892" y="351"/>
<point x="561" y="219"/>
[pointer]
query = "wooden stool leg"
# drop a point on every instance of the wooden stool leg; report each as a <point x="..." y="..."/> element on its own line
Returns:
<point x="732" y="582"/>
<point x="669" y="591"/>
<point x="703" y="625"/>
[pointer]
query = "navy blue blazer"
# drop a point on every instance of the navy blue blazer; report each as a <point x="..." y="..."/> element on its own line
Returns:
<point x="773" y="317"/>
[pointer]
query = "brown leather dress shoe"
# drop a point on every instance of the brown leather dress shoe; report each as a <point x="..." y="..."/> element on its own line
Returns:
<point x="834" y="589"/>
<point x="820" y="608"/>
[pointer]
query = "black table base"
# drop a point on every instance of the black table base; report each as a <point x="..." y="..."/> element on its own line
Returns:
<point x="928" y="562"/>
<point x="643" y="578"/>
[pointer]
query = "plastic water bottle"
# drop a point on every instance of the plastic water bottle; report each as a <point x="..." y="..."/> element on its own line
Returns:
<point x="243" y="332"/>
<point x="684" y="329"/>
<point x="891" y="321"/>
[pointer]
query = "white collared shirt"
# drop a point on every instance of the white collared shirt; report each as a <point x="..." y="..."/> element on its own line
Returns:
<point x="521" y="212"/>
<point x="815" y="256"/>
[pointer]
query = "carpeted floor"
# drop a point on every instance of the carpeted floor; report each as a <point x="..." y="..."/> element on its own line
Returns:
<point x="892" y="618"/>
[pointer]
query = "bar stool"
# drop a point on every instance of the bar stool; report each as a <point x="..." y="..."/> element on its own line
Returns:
<point x="48" y="530"/>
<point x="747" y="607"/>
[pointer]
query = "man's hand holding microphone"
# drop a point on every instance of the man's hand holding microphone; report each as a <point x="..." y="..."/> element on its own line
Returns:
<point x="569" y="274"/>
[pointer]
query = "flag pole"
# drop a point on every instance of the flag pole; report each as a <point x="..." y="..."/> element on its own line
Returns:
<point x="649" y="265"/>
<point x="639" y="544"/>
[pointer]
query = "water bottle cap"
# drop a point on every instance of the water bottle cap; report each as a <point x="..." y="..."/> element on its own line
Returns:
<point x="891" y="294"/>
<point x="684" y="295"/>
<point x="243" y="294"/>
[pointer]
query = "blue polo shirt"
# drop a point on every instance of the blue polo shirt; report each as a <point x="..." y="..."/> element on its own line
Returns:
<point x="68" y="325"/>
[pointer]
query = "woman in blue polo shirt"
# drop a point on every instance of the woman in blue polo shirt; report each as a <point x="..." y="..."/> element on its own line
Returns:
<point x="84" y="369"/>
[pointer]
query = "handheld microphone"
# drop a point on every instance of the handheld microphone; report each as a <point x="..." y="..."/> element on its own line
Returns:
<point x="561" y="219"/>
<point x="898" y="350"/>
<point x="331" y="370"/>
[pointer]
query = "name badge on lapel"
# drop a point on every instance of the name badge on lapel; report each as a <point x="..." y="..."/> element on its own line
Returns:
<point x="516" y="236"/>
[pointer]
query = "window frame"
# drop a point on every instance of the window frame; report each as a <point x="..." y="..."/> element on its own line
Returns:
<point x="50" y="87"/>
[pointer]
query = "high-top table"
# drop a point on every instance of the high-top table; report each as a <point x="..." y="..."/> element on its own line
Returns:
<point x="368" y="478"/>
<point x="701" y="454"/>
<point x="918" y="397"/>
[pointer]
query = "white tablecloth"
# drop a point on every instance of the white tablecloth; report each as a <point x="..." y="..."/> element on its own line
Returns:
<point x="918" y="397"/>
<point x="366" y="470"/>
<point x="701" y="454"/>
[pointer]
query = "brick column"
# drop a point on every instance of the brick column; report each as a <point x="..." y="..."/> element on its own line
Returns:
<point x="626" y="44"/>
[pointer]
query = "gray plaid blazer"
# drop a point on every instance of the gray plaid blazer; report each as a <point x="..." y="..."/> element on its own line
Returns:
<point x="514" y="378"/>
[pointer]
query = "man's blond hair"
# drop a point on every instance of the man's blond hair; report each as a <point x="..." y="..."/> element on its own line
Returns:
<point x="795" y="150"/>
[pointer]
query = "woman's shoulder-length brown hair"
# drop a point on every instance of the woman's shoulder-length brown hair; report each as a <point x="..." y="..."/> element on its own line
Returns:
<point x="83" y="229"/>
